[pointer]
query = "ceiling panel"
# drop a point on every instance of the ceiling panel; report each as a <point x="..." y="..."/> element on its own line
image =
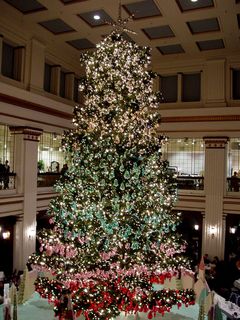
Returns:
<point x="27" y="6"/>
<point x="88" y="17"/>
<point x="186" y="5"/>
<point x="81" y="44"/>
<point x="142" y="9"/>
<point x="158" y="32"/>
<point x="205" y="25"/>
<point x="210" y="44"/>
<point x="56" y="26"/>
<point x="171" y="49"/>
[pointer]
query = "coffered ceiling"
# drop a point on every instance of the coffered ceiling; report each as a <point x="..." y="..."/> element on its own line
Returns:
<point x="175" y="29"/>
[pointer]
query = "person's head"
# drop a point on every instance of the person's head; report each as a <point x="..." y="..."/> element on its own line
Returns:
<point x="235" y="173"/>
<point x="238" y="263"/>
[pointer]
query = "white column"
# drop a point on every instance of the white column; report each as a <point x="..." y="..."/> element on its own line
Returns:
<point x="37" y="61"/>
<point x="1" y="47"/>
<point x="18" y="68"/>
<point x="26" y="171"/>
<point x="223" y="234"/>
<point x="18" y="160"/>
<point x="179" y="87"/>
<point x="69" y="85"/>
<point x="215" y="189"/>
<point x="17" y="244"/>
<point x="214" y="80"/>
<point x="55" y="79"/>
<point x="203" y="233"/>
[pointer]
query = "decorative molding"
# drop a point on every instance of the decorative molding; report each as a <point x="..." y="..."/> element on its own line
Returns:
<point x="224" y="216"/>
<point x="215" y="142"/>
<point x="32" y="134"/>
<point x="180" y="199"/>
<point x="34" y="106"/>
<point x="201" y="118"/>
<point x="33" y="120"/>
<point x="19" y="218"/>
<point x="199" y="130"/>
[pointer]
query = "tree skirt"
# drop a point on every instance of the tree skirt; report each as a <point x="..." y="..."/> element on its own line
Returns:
<point x="38" y="309"/>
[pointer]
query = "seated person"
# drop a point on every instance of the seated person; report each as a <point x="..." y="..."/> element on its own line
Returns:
<point x="225" y="275"/>
<point x="206" y="259"/>
<point x="64" y="169"/>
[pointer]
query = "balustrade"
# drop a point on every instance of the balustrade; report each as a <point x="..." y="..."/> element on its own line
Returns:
<point x="47" y="179"/>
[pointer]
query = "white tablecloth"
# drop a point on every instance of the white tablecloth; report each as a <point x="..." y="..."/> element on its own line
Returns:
<point x="228" y="308"/>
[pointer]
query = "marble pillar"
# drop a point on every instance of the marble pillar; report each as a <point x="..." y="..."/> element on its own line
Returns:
<point x="26" y="156"/>
<point x="215" y="189"/>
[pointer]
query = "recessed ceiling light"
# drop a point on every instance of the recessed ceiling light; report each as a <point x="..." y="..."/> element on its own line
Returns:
<point x="96" y="17"/>
<point x="194" y="0"/>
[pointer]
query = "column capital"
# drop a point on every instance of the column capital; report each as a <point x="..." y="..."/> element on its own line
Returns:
<point x="28" y="133"/>
<point x="34" y="40"/>
<point x="19" y="218"/>
<point x="215" y="142"/>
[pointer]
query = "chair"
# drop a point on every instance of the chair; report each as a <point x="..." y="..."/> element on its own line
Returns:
<point x="235" y="298"/>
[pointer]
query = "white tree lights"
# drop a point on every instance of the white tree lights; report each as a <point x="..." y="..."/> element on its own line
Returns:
<point x="114" y="230"/>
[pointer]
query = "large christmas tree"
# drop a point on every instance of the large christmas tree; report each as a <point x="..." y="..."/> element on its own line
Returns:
<point x="114" y="229"/>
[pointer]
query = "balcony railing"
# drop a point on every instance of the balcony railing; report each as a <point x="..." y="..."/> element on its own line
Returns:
<point x="47" y="179"/>
<point x="8" y="182"/>
<point x="190" y="182"/>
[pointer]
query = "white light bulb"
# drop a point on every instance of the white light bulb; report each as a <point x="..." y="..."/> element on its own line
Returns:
<point x="96" y="17"/>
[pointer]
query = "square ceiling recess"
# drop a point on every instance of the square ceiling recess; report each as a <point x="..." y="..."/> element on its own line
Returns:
<point x="186" y="5"/>
<point x="210" y="44"/>
<point x="171" y="49"/>
<point x="88" y="17"/>
<point x="142" y="9"/>
<point x="56" y="26"/>
<point x="158" y="32"/>
<point x="28" y="6"/>
<point x="81" y="44"/>
<point x="206" y="25"/>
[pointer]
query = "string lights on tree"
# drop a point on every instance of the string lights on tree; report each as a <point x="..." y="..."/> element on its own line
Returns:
<point x="114" y="231"/>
